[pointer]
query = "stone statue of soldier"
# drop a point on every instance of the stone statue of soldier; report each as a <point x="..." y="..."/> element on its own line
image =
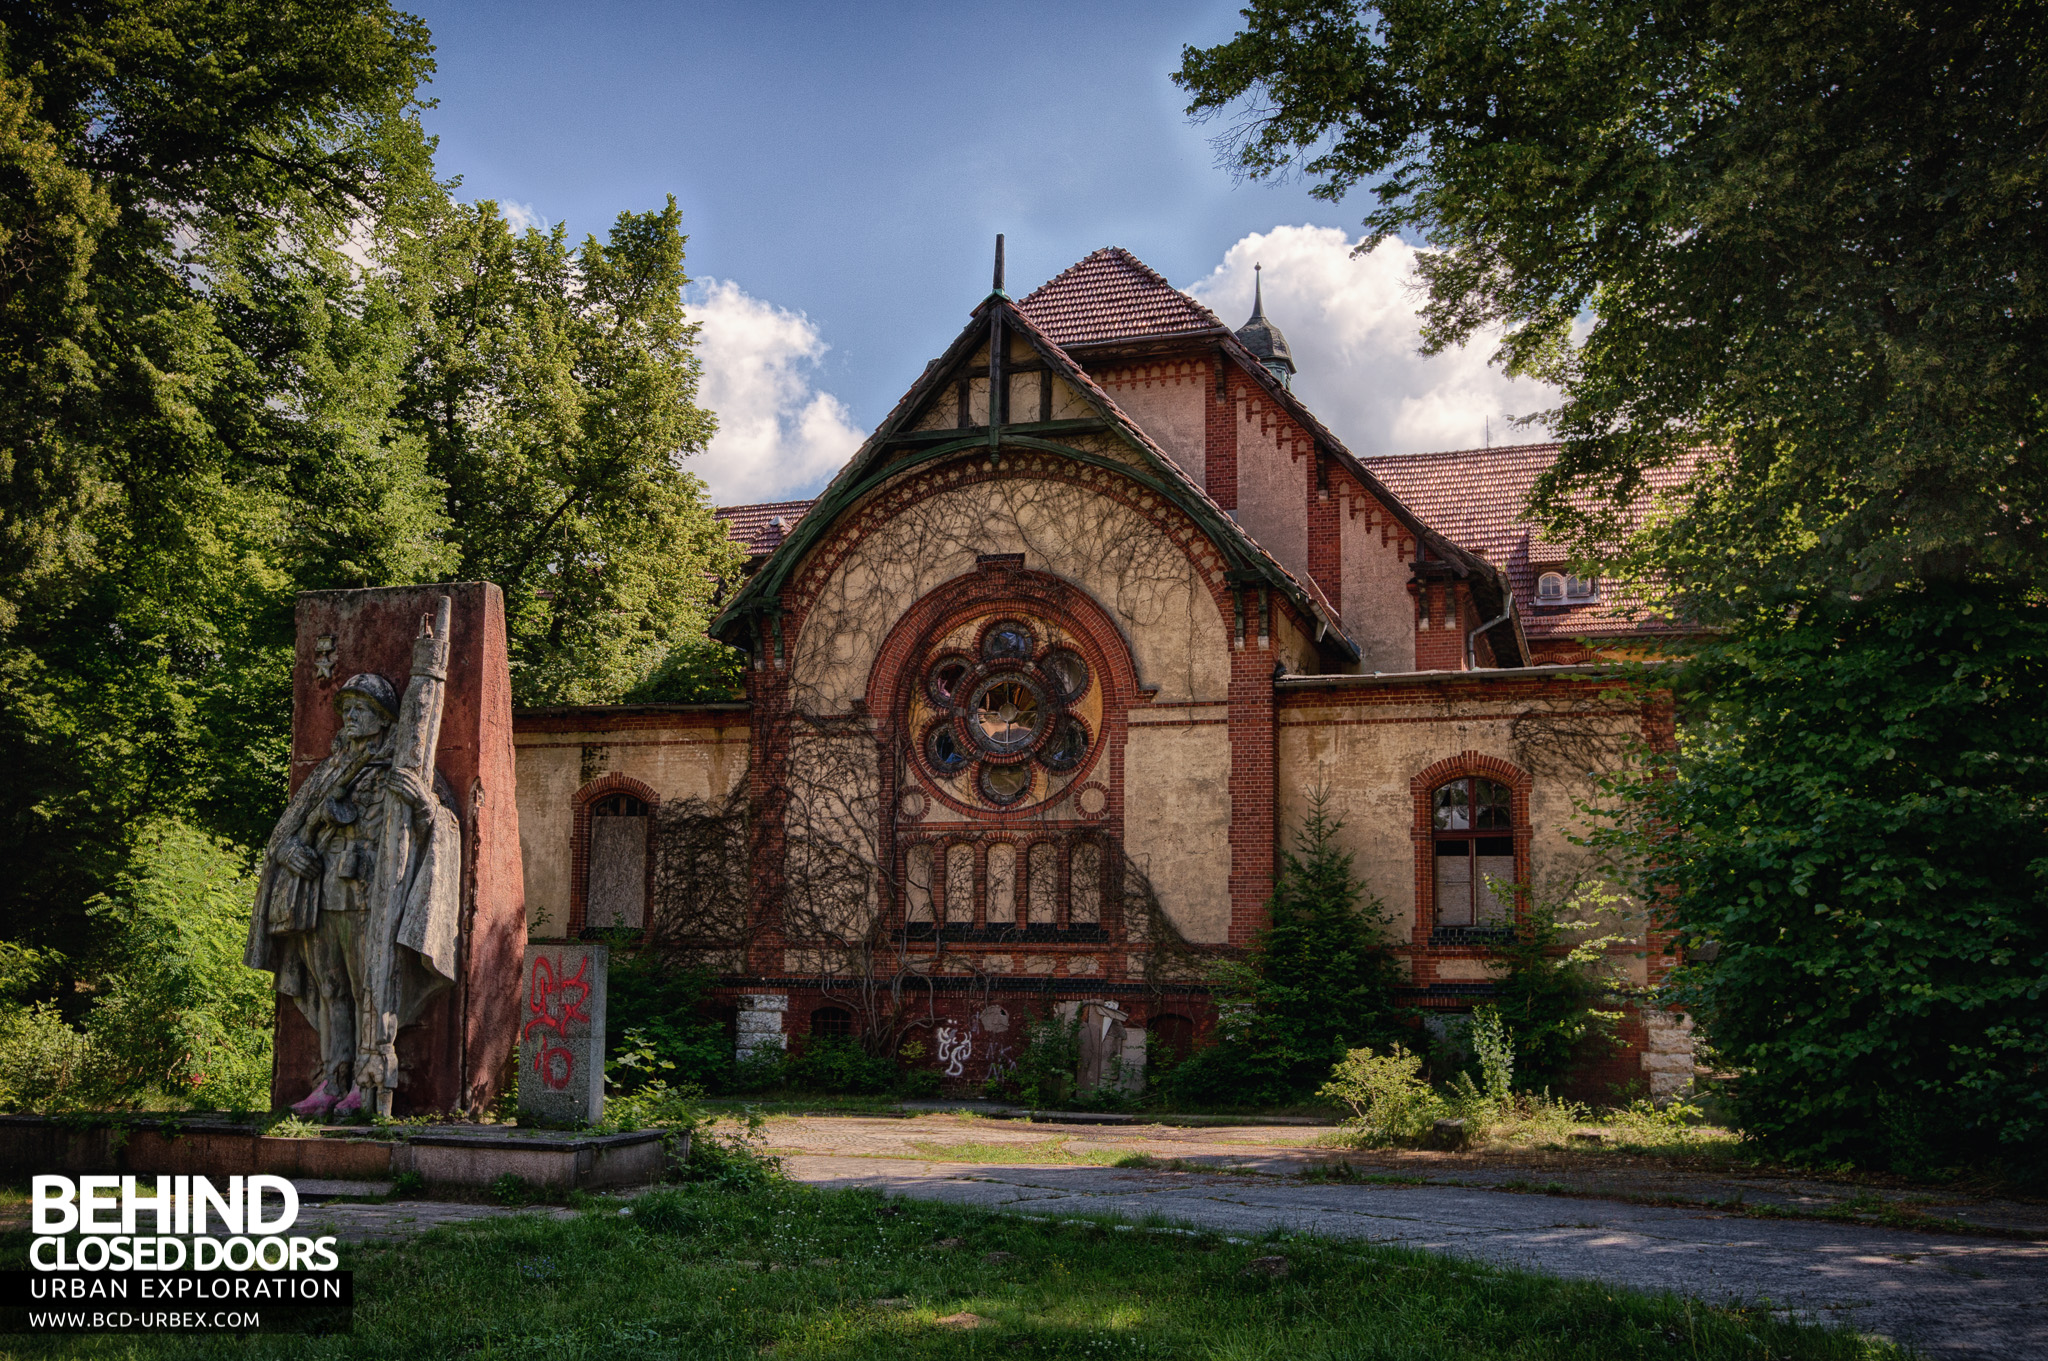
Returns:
<point x="357" y="909"/>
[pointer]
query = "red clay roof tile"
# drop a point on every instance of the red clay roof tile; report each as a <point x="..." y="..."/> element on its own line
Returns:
<point x="1112" y="295"/>
<point x="759" y="528"/>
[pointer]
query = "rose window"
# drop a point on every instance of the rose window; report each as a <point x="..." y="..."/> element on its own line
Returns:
<point x="1006" y="712"/>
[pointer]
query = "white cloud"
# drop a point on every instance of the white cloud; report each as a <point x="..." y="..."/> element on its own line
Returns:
<point x="1353" y="325"/>
<point x="522" y="217"/>
<point x="778" y="437"/>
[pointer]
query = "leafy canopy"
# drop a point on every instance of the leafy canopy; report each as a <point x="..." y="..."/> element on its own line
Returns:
<point x="1802" y="234"/>
<point x="1852" y="843"/>
<point x="251" y="348"/>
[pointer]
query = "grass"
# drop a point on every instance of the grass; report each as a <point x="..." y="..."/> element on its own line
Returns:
<point x="795" y="1273"/>
<point x="1040" y="1151"/>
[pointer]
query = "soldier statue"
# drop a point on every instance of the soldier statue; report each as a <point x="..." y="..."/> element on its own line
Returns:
<point x="357" y="909"/>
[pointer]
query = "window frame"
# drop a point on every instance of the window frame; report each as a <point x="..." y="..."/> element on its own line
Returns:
<point x="587" y="799"/>
<point x="1466" y="765"/>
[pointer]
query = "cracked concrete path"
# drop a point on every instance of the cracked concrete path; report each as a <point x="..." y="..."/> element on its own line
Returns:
<point x="1948" y="1295"/>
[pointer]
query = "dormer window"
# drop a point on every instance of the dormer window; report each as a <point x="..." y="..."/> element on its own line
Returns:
<point x="1556" y="588"/>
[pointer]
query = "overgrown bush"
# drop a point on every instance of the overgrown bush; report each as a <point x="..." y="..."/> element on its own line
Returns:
<point x="838" y="1064"/>
<point x="178" y="1020"/>
<point x="1851" y="841"/>
<point x="1390" y="1100"/>
<point x="669" y="1010"/>
<point x="1046" y="1066"/>
<point x="1318" y="981"/>
<point x="1556" y="997"/>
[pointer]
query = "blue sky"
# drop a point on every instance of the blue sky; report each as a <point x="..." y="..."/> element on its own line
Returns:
<point x="843" y="169"/>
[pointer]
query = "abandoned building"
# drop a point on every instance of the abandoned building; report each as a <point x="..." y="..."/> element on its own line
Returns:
<point x="1041" y="683"/>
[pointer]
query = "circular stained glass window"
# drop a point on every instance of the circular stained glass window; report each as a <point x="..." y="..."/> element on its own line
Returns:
<point x="945" y="750"/>
<point x="1068" y="673"/>
<point x="1008" y="639"/>
<point x="947" y="678"/>
<point x="1068" y="745"/>
<point x="1006" y="713"/>
<point x="1005" y="784"/>
<point x="1006" y="716"/>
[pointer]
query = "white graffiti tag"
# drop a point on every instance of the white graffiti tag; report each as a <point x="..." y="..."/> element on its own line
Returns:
<point x="954" y="1049"/>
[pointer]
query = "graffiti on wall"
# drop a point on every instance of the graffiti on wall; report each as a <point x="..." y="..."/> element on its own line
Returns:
<point x="551" y="1004"/>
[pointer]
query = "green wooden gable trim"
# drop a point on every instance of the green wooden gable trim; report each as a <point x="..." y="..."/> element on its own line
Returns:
<point x="894" y="449"/>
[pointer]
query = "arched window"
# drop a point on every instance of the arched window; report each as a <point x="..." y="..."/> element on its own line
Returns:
<point x="1550" y="588"/>
<point x="1473" y="830"/>
<point x="832" y="1023"/>
<point x="1581" y="588"/>
<point x="615" y="893"/>
<point x="1169" y="1036"/>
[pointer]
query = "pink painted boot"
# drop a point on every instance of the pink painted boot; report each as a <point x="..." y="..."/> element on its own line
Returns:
<point x="319" y="1103"/>
<point x="351" y="1103"/>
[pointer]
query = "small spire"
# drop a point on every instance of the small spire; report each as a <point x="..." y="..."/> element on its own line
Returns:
<point x="1258" y="294"/>
<point x="999" y="262"/>
<point x="1263" y="338"/>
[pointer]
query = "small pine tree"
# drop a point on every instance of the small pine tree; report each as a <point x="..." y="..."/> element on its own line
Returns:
<point x="1317" y="983"/>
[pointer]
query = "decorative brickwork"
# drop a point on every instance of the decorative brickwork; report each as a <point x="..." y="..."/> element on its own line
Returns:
<point x="1221" y="476"/>
<point x="1325" y="531"/>
<point x="1253" y="796"/>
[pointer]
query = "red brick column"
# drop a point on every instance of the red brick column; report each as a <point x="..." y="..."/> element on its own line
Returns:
<point x="1253" y="797"/>
<point x="1219" y="476"/>
<point x="1326" y="497"/>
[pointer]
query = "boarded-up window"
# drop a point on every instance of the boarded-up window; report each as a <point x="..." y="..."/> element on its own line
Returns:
<point x="1474" y="848"/>
<point x="1045" y="883"/>
<point x="1002" y="884"/>
<point x="917" y="884"/>
<point x="1085" y="903"/>
<point x="960" y="883"/>
<point x="615" y="891"/>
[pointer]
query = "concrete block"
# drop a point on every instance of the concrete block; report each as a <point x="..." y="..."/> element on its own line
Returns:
<point x="561" y="1034"/>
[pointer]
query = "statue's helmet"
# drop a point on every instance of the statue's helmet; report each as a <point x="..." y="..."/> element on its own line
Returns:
<point x="372" y="687"/>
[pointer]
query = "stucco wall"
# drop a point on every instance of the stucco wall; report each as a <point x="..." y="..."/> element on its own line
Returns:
<point x="1366" y="745"/>
<point x="1379" y="614"/>
<point x="1146" y="582"/>
<point x="1166" y="400"/>
<point x="1272" y="482"/>
<point x="681" y="756"/>
<point x="1177" y="813"/>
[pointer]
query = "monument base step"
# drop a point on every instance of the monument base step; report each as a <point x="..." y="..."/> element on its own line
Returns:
<point x="447" y="1155"/>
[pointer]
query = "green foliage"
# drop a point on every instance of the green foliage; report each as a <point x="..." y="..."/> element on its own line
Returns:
<point x="1390" y="1100"/>
<point x="1494" y="1044"/>
<point x="252" y="349"/>
<point x="184" y="1015"/>
<point x="837" y="1064"/>
<point x="1554" y="979"/>
<point x="179" y="1018"/>
<point x="554" y="388"/>
<point x="1318" y="980"/>
<point x="1802" y="234"/>
<point x="1851" y="843"/>
<point x="1046" y="1066"/>
<point x="666" y="1012"/>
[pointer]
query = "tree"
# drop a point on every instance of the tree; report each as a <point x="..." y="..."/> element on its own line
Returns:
<point x="554" y="390"/>
<point x="180" y="180"/>
<point x="1852" y="840"/>
<point x="1804" y="235"/>
<point x="229" y="279"/>
<point x="1317" y="981"/>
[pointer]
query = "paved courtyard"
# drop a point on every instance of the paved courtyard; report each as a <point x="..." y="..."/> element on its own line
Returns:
<point x="1948" y="1294"/>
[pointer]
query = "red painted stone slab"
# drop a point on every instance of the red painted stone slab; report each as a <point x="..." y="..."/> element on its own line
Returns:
<point x="454" y="1059"/>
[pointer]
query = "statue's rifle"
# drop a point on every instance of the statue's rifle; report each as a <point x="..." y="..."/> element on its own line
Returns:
<point x="417" y="735"/>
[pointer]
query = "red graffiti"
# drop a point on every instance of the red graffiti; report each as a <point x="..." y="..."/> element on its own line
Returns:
<point x="554" y="1062"/>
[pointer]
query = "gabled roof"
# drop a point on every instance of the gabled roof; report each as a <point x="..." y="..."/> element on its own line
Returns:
<point x="1476" y="497"/>
<point x="760" y="528"/>
<point x="1112" y="296"/>
<point x="1248" y="561"/>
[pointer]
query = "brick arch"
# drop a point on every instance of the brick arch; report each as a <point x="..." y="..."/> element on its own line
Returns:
<point x="1424" y="783"/>
<point x="579" y="843"/>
